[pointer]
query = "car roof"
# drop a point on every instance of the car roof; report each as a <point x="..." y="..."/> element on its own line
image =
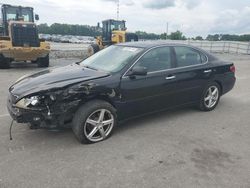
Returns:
<point x="150" y="44"/>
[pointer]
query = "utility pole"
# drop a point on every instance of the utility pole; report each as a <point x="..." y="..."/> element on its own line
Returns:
<point x="167" y="32"/>
<point x="118" y="9"/>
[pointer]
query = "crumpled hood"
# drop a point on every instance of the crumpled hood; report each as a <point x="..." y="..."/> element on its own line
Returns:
<point x="54" y="78"/>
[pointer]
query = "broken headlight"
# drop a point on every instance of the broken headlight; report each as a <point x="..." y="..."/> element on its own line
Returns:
<point x="28" y="101"/>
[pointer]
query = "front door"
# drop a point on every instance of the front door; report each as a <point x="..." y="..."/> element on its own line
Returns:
<point x="144" y="94"/>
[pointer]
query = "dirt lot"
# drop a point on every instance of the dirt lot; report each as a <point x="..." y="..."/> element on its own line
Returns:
<point x="182" y="148"/>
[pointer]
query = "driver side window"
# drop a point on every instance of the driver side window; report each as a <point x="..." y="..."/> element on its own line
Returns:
<point x="156" y="59"/>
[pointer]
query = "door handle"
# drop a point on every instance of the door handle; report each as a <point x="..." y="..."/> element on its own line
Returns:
<point x="170" y="77"/>
<point x="208" y="71"/>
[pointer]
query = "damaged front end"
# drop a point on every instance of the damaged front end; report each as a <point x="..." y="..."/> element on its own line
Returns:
<point x="44" y="109"/>
<point x="54" y="108"/>
<point x="50" y="98"/>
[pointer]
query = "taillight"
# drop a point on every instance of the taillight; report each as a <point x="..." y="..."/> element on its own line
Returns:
<point x="232" y="68"/>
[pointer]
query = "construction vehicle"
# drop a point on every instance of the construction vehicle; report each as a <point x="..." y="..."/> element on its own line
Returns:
<point x="113" y="32"/>
<point x="19" y="40"/>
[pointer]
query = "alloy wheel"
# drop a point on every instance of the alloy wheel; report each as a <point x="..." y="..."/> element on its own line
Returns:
<point x="211" y="97"/>
<point x="99" y="125"/>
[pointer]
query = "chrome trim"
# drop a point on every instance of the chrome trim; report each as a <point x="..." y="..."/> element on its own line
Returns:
<point x="165" y="45"/>
<point x="207" y="71"/>
<point x="170" y="77"/>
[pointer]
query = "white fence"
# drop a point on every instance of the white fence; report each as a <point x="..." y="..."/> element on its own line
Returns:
<point x="220" y="46"/>
<point x="212" y="46"/>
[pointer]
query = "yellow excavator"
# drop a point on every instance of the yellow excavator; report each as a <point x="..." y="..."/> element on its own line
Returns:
<point x="19" y="40"/>
<point x="113" y="32"/>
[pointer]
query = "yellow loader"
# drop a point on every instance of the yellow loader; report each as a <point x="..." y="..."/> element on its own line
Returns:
<point x="113" y="32"/>
<point x="19" y="40"/>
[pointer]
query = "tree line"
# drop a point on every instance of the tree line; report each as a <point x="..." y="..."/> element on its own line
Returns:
<point x="177" y="35"/>
<point x="86" y="30"/>
<point x="218" y="37"/>
<point x="68" y="29"/>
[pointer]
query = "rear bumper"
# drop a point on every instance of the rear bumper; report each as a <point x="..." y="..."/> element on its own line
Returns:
<point x="228" y="84"/>
<point x="24" y="53"/>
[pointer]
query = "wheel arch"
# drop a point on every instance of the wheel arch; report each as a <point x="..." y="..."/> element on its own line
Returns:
<point x="102" y="98"/>
<point x="220" y="84"/>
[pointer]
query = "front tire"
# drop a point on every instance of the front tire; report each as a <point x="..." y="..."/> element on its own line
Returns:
<point x="92" y="49"/>
<point x="43" y="61"/>
<point x="210" y="97"/>
<point x="94" y="121"/>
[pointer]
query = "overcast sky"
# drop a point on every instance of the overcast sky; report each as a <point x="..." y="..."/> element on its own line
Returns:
<point x="192" y="17"/>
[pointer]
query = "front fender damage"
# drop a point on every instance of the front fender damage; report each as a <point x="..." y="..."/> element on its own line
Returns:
<point x="60" y="106"/>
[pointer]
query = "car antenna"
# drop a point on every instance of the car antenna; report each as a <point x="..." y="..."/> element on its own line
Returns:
<point x="11" y="129"/>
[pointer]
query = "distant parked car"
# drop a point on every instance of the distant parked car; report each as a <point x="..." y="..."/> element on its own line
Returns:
<point x="56" y="38"/>
<point x="118" y="83"/>
<point x="45" y="37"/>
<point x="65" y="39"/>
<point x="75" y="40"/>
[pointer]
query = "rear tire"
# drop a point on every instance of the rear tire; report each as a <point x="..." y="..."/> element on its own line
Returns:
<point x="43" y="61"/>
<point x="210" y="97"/>
<point x="89" y="126"/>
<point x="4" y="62"/>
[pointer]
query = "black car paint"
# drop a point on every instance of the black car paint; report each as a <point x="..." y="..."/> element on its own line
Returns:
<point x="74" y="85"/>
<point x="52" y="79"/>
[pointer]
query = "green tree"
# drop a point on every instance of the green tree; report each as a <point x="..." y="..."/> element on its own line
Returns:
<point x="147" y="36"/>
<point x="198" y="38"/>
<point x="215" y="37"/>
<point x="67" y="29"/>
<point x="177" y="36"/>
<point x="44" y="28"/>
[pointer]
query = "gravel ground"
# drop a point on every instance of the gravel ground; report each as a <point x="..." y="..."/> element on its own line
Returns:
<point x="181" y="148"/>
<point x="68" y="50"/>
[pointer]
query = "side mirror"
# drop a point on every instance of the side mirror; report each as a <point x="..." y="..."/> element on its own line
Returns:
<point x="36" y="17"/>
<point x="138" y="71"/>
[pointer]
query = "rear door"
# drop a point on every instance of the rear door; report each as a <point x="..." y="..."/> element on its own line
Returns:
<point x="192" y="74"/>
<point x="142" y="94"/>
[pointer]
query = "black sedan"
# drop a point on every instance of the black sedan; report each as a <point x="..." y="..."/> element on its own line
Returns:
<point x="118" y="83"/>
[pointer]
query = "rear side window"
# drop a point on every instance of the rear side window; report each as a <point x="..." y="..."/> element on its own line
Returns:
<point x="156" y="59"/>
<point x="186" y="56"/>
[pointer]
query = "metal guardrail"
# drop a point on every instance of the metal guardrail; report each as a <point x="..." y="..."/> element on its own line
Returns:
<point x="219" y="46"/>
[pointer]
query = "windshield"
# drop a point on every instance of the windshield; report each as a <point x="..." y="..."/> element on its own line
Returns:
<point x="117" y="26"/>
<point x="13" y="13"/>
<point x="111" y="59"/>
